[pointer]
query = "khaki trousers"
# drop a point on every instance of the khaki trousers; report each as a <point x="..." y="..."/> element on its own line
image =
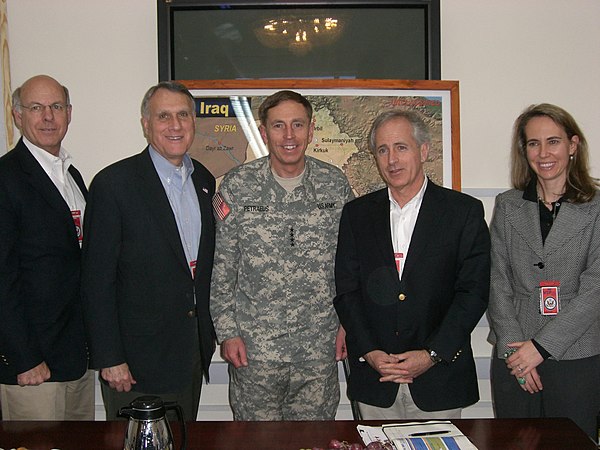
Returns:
<point x="404" y="408"/>
<point x="67" y="400"/>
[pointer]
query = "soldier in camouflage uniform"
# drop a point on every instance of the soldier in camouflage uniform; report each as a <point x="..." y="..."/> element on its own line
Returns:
<point x="273" y="283"/>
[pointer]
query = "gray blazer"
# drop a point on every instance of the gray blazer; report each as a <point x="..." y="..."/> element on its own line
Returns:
<point x="520" y="261"/>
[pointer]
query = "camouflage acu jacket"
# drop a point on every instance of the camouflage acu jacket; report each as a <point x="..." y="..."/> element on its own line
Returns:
<point x="273" y="276"/>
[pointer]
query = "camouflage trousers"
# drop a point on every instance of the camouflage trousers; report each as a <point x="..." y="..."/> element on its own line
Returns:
<point x="306" y="390"/>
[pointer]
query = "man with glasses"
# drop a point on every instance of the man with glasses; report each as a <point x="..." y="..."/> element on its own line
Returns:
<point x="43" y="355"/>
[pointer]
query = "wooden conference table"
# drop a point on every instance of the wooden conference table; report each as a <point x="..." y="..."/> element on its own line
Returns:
<point x="486" y="434"/>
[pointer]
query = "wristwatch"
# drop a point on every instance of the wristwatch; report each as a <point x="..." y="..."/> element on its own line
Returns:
<point x="434" y="356"/>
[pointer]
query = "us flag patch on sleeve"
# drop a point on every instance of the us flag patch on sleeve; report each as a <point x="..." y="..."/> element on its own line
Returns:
<point x="221" y="207"/>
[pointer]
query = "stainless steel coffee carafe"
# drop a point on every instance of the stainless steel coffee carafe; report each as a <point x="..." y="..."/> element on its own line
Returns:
<point x="148" y="428"/>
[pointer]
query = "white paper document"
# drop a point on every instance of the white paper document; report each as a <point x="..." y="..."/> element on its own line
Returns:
<point x="431" y="435"/>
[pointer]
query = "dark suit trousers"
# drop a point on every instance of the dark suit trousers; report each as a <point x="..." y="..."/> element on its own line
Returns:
<point x="188" y="398"/>
<point x="571" y="389"/>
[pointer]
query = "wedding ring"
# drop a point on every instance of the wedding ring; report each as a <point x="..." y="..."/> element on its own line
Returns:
<point x="520" y="368"/>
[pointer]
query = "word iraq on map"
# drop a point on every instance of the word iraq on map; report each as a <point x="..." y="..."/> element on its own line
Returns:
<point x="213" y="107"/>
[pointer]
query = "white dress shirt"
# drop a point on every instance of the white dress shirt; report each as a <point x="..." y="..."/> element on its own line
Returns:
<point x="57" y="168"/>
<point x="402" y="224"/>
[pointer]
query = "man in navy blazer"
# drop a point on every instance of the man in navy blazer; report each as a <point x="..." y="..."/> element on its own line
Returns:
<point x="148" y="255"/>
<point x="43" y="355"/>
<point x="412" y="278"/>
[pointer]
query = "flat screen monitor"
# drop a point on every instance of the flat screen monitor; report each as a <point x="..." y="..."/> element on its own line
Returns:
<point x="207" y="40"/>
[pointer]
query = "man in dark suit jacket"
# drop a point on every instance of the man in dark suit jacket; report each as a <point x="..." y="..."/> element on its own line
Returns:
<point x="43" y="356"/>
<point x="148" y="256"/>
<point x="412" y="277"/>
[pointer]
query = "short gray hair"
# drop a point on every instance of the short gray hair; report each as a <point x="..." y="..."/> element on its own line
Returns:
<point x="420" y="130"/>
<point x="172" y="86"/>
<point x="16" y="97"/>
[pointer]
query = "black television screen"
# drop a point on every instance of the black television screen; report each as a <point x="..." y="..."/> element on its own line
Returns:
<point x="205" y="40"/>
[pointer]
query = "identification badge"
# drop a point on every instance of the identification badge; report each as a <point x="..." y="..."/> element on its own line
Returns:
<point x="398" y="257"/>
<point x="193" y="268"/>
<point x="549" y="298"/>
<point x="76" y="215"/>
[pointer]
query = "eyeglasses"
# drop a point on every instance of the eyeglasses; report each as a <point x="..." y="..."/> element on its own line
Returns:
<point x="39" y="109"/>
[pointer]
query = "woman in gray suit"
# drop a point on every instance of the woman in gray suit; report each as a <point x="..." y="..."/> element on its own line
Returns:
<point x="544" y="309"/>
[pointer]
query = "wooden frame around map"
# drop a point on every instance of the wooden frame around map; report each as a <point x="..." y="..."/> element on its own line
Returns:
<point x="355" y="87"/>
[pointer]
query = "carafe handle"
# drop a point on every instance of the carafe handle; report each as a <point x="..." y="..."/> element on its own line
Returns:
<point x="179" y="412"/>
